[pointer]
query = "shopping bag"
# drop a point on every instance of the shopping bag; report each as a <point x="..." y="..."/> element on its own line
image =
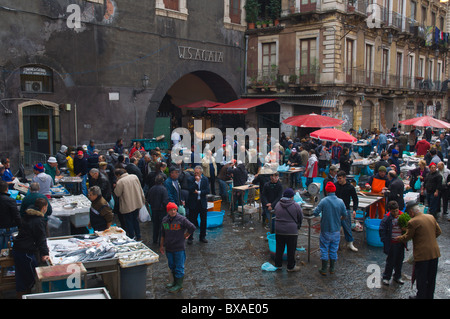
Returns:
<point x="182" y="210"/>
<point x="417" y="184"/>
<point x="144" y="215"/>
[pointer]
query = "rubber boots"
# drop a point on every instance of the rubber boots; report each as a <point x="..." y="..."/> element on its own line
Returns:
<point x="171" y="280"/>
<point x="323" y="270"/>
<point x="178" y="285"/>
<point x="332" y="265"/>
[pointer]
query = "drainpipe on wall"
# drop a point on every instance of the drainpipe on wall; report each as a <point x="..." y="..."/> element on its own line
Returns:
<point x="76" y="128"/>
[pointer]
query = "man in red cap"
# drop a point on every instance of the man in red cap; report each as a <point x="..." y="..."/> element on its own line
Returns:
<point x="174" y="232"/>
<point x="433" y="185"/>
<point x="80" y="167"/>
<point x="332" y="209"/>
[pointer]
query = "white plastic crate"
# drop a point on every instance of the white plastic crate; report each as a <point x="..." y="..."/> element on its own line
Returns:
<point x="80" y="219"/>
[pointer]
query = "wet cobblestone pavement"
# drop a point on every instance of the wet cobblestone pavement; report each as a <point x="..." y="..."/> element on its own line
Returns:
<point x="229" y="267"/>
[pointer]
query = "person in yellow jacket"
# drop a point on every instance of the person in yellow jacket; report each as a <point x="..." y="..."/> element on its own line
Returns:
<point x="70" y="163"/>
<point x="210" y="170"/>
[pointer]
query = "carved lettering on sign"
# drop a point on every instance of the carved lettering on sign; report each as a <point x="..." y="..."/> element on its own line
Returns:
<point x="190" y="53"/>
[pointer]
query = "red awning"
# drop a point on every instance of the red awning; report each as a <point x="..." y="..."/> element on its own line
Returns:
<point x="240" y="106"/>
<point x="202" y="103"/>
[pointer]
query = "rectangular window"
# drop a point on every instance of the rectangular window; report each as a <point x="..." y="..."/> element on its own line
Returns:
<point x="421" y="71"/>
<point x="385" y="67"/>
<point x="308" y="60"/>
<point x="235" y="11"/>
<point x="410" y="71"/>
<point x="398" y="72"/>
<point x="349" y="60"/>
<point x="269" y="55"/>
<point x="413" y="5"/>
<point x="368" y="67"/>
<point x="172" y="5"/>
<point x="424" y="15"/>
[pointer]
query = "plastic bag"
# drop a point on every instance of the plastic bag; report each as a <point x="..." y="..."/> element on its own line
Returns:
<point x="268" y="267"/>
<point x="417" y="184"/>
<point x="182" y="210"/>
<point x="54" y="222"/>
<point x="144" y="215"/>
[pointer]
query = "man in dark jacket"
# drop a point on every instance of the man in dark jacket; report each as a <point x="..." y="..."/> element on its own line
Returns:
<point x="346" y="191"/>
<point x="31" y="238"/>
<point x="396" y="189"/>
<point x="433" y="185"/>
<point x="158" y="199"/>
<point x="133" y="169"/>
<point x="271" y="194"/>
<point x="288" y="216"/>
<point x="199" y="188"/>
<point x="395" y="250"/>
<point x="332" y="177"/>
<point x="80" y="167"/>
<point x="9" y="215"/>
<point x="97" y="179"/>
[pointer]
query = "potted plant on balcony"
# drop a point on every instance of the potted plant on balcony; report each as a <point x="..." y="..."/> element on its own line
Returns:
<point x="351" y="6"/>
<point x="275" y="11"/>
<point x="251" y="12"/>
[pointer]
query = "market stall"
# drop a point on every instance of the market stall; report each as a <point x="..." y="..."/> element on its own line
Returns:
<point x="121" y="261"/>
<point x="69" y="210"/>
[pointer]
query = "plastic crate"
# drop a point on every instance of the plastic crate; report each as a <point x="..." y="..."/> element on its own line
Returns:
<point x="80" y="219"/>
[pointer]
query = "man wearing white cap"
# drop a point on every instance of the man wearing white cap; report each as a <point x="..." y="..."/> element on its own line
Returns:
<point x="51" y="168"/>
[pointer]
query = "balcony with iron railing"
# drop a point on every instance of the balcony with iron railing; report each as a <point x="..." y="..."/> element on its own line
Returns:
<point x="371" y="79"/>
<point x="270" y="79"/>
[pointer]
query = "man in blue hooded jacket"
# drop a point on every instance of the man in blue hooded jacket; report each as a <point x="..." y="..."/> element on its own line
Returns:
<point x="332" y="209"/>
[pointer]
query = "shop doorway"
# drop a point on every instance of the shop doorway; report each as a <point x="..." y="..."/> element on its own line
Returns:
<point x="39" y="129"/>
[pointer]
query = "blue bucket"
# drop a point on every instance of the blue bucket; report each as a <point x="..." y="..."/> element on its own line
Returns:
<point x="213" y="219"/>
<point x="372" y="232"/>
<point x="273" y="246"/>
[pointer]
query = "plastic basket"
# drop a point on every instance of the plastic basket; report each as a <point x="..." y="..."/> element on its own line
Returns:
<point x="372" y="232"/>
<point x="273" y="246"/>
<point x="213" y="219"/>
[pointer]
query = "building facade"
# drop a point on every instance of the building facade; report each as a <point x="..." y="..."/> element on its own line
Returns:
<point x="107" y="69"/>
<point x="370" y="63"/>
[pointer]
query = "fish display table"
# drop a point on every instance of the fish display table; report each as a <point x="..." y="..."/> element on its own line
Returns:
<point x="104" y="253"/>
<point x="70" y="209"/>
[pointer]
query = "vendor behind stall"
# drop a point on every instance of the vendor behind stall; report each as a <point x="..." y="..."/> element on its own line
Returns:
<point x="377" y="183"/>
<point x="100" y="214"/>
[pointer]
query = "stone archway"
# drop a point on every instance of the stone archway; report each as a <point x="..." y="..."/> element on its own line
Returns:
<point x="218" y="86"/>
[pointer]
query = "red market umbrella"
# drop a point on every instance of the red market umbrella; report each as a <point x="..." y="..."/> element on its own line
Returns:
<point x="426" y="121"/>
<point x="312" y="120"/>
<point x="333" y="135"/>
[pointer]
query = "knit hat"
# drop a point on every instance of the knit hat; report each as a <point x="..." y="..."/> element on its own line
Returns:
<point x="330" y="187"/>
<point x="432" y="163"/>
<point x="382" y="169"/>
<point x="394" y="151"/>
<point x="289" y="193"/>
<point x="39" y="167"/>
<point x="294" y="150"/>
<point x="171" y="206"/>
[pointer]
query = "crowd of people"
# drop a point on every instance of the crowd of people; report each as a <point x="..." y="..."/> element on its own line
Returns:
<point x="126" y="179"/>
